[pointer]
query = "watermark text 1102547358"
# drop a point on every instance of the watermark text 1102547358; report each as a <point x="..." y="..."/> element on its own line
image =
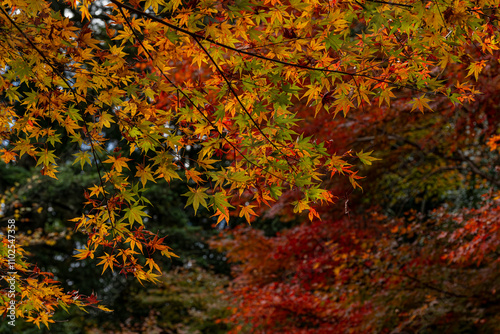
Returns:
<point x="11" y="280"/>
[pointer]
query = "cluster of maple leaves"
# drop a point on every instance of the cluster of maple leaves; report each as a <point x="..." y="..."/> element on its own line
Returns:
<point x="225" y="96"/>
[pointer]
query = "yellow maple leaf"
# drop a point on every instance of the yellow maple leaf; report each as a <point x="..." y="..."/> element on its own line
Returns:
<point x="118" y="163"/>
<point x="107" y="261"/>
<point x="8" y="156"/>
<point x="247" y="211"/>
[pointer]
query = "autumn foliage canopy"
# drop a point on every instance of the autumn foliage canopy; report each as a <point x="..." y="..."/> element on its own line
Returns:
<point x="268" y="108"/>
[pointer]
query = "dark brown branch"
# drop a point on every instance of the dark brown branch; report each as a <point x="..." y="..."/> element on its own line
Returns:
<point x="391" y="3"/>
<point x="392" y="137"/>
<point x="239" y="101"/>
<point x="475" y="168"/>
<point x="256" y="55"/>
<point x="61" y="75"/>
<point x="193" y="104"/>
<point x="46" y="60"/>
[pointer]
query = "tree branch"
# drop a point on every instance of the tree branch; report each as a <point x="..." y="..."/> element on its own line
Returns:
<point x="475" y="168"/>
<point x="256" y="55"/>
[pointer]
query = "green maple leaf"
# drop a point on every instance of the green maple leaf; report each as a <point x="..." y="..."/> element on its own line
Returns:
<point x="196" y="197"/>
<point x="135" y="214"/>
<point x="83" y="157"/>
<point x="366" y="158"/>
<point x="46" y="157"/>
<point x="220" y="201"/>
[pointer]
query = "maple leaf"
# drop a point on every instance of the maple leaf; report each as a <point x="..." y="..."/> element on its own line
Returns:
<point x="206" y="163"/>
<point x="92" y="299"/>
<point x="196" y="197"/>
<point x="421" y="103"/>
<point x="166" y="252"/>
<point x="220" y="202"/>
<point x="46" y="157"/>
<point x="70" y="125"/>
<point x="24" y="146"/>
<point x="96" y="190"/>
<point x="127" y="253"/>
<point x="352" y="178"/>
<point x="118" y="162"/>
<point x="105" y="119"/>
<point x="103" y="308"/>
<point x="167" y="173"/>
<point x="475" y="68"/>
<point x="8" y="156"/>
<point x="153" y="278"/>
<point x="42" y="317"/>
<point x="194" y="175"/>
<point x="366" y="158"/>
<point x="385" y="96"/>
<point x="135" y="214"/>
<point x="221" y="215"/>
<point x="145" y="174"/>
<point x="84" y="253"/>
<point x="494" y="142"/>
<point x="107" y="261"/>
<point x="82" y="157"/>
<point x="300" y="206"/>
<point x="313" y="213"/>
<point x="152" y="264"/>
<point x="133" y="242"/>
<point x="49" y="171"/>
<point x="246" y="211"/>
